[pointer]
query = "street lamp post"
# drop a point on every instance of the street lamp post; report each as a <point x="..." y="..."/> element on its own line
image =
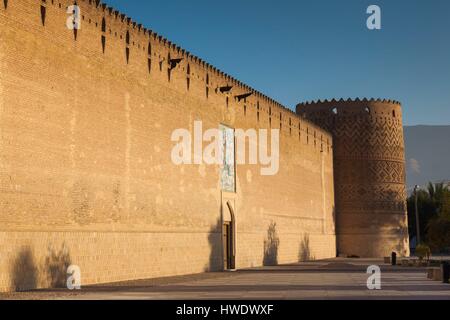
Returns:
<point x="417" y="216"/>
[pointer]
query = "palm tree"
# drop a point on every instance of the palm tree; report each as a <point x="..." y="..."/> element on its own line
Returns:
<point x="438" y="228"/>
<point x="437" y="194"/>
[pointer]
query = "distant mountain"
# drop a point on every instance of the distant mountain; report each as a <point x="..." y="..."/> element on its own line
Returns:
<point x="427" y="154"/>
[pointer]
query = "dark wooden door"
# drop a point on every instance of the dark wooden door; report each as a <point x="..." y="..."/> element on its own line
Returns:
<point x="228" y="246"/>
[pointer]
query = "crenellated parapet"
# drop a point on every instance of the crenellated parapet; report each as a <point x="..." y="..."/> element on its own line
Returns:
<point x="381" y="120"/>
<point x="372" y="109"/>
<point x="369" y="167"/>
<point x="106" y="32"/>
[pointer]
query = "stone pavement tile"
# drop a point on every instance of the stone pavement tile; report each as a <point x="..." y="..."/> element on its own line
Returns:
<point x="272" y="295"/>
<point x="348" y="294"/>
<point x="311" y="294"/>
<point x="341" y="279"/>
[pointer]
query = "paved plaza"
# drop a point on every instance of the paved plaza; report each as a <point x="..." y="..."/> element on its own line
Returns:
<point x="327" y="279"/>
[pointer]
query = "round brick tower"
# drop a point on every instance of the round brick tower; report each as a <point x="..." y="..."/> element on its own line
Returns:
<point x="369" y="169"/>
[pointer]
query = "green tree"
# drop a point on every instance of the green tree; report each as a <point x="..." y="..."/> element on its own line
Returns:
<point x="438" y="228"/>
<point x="438" y="234"/>
<point x="426" y="209"/>
<point x="434" y="215"/>
<point x="445" y="208"/>
<point x="437" y="193"/>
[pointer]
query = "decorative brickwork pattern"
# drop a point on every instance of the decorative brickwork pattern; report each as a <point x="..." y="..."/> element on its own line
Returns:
<point x="369" y="162"/>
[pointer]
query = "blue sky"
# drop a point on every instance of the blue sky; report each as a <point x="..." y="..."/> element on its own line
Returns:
<point x="301" y="50"/>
